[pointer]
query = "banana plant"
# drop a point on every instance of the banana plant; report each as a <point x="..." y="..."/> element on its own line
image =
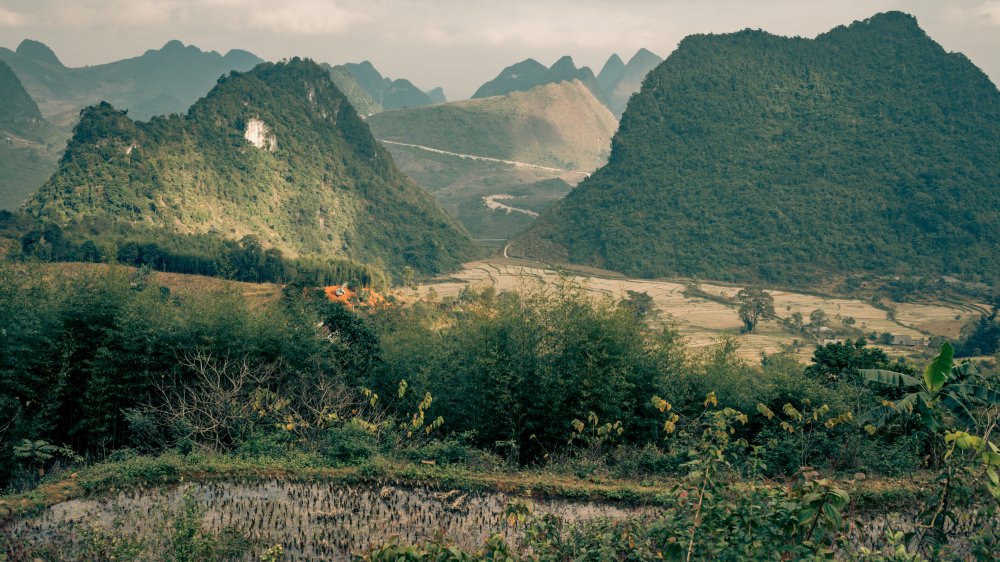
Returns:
<point x="945" y="387"/>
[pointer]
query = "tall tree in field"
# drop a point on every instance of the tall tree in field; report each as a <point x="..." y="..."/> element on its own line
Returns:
<point x="756" y="304"/>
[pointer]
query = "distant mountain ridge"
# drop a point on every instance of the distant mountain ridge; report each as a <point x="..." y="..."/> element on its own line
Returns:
<point x="530" y="73"/>
<point x="158" y="82"/>
<point x="613" y="86"/>
<point x="753" y="157"/>
<point x="276" y="153"/>
<point x="29" y="146"/>
<point x="387" y="93"/>
<point x="619" y="80"/>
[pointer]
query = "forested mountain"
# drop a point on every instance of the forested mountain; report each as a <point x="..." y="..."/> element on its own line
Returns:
<point x="276" y="153"/>
<point x="530" y="73"/>
<point x="755" y="157"/>
<point x="387" y="93"/>
<point x="158" y="82"/>
<point x="559" y="125"/>
<point x="29" y="146"/>
<point x="16" y="106"/>
<point x="619" y="81"/>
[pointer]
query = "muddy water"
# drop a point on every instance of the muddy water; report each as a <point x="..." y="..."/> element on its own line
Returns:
<point x="313" y="521"/>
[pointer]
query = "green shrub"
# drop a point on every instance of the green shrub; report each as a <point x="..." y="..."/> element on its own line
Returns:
<point x="347" y="444"/>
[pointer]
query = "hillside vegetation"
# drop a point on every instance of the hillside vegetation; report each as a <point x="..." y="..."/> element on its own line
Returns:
<point x="546" y="392"/>
<point x="749" y="156"/>
<point x="276" y="154"/>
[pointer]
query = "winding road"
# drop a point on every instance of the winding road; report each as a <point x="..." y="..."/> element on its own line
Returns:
<point x="485" y="158"/>
<point x="493" y="203"/>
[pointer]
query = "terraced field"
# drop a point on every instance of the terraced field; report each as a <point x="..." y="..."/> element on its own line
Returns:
<point x="704" y="320"/>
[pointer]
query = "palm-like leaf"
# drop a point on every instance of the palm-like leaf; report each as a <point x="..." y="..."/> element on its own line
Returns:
<point x="976" y="392"/>
<point x="962" y="372"/>
<point x="889" y="378"/>
<point x="879" y="414"/>
<point x="957" y="407"/>
<point x="937" y="372"/>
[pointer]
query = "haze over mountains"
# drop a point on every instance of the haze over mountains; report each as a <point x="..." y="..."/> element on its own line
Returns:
<point x="276" y="153"/>
<point x="29" y="145"/>
<point x="560" y="126"/>
<point x="158" y="82"/>
<point x="613" y="86"/>
<point x="619" y="80"/>
<point x="756" y="157"/>
<point x="390" y="94"/>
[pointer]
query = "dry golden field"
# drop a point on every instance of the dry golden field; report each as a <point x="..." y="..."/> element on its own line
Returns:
<point x="703" y="321"/>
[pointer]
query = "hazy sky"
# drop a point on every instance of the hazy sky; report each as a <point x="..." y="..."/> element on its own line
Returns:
<point x="460" y="44"/>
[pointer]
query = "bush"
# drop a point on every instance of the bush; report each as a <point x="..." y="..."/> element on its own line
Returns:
<point x="347" y="444"/>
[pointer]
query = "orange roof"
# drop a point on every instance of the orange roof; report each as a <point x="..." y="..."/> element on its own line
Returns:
<point x="363" y="297"/>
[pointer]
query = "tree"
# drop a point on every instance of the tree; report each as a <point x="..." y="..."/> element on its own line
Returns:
<point x="756" y="304"/>
<point x="835" y="361"/>
<point x="817" y="317"/>
<point x="983" y="337"/>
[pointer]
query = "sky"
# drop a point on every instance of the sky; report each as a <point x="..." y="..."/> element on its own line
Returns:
<point x="459" y="44"/>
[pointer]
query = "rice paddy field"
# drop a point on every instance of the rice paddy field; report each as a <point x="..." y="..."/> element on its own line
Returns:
<point x="703" y="321"/>
<point x="333" y="521"/>
<point x="312" y="521"/>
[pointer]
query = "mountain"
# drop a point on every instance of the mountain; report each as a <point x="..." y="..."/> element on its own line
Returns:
<point x="437" y="95"/>
<point x="529" y="74"/>
<point x="276" y="153"/>
<point x="611" y="73"/>
<point x="749" y="156"/>
<point x="387" y="93"/>
<point x="16" y="106"/>
<point x="519" y="77"/>
<point x="29" y="146"/>
<point x="559" y="126"/>
<point x="619" y="80"/>
<point x="362" y="101"/>
<point x="39" y="52"/>
<point x="159" y="82"/>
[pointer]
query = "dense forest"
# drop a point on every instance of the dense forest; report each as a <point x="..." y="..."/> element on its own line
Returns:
<point x="316" y="182"/>
<point x="749" y="156"/>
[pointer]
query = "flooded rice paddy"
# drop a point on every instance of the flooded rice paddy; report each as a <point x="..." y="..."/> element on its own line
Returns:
<point x="312" y="520"/>
<point x="334" y="521"/>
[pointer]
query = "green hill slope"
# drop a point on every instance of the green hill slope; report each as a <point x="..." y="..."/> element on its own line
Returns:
<point x="750" y="156"/>
<point x="555" y="125"/>
<point x="29" y="146"/>
<point x="276" y="153"/>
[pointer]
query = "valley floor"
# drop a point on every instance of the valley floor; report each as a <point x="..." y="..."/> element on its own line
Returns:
<point x="705" y="316"/>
